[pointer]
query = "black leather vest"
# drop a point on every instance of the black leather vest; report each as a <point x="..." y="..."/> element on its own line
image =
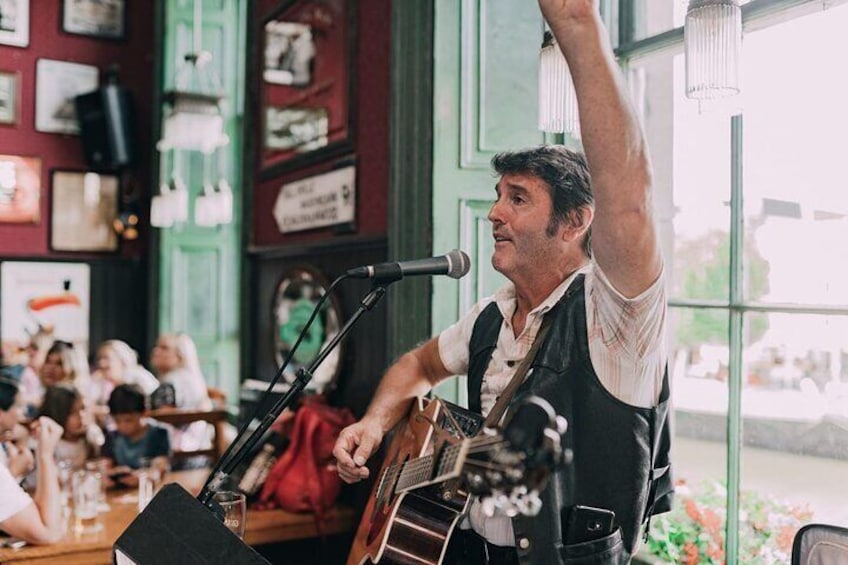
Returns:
<point x="620" y="452"/>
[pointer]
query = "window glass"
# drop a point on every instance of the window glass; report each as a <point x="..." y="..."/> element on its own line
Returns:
<point x="796" y="207"/>
<point x="694" y="531"/>
<point x="794" y="408"/>
<point x="657" y="16"/>
<point x="690" y="151"/>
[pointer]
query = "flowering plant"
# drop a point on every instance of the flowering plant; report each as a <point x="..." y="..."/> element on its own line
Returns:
<point x="693" y="532"/>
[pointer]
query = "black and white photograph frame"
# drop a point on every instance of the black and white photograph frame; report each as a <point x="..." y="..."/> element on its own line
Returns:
<point x="14" y="22"/>
<point x="83" y="209"/>
<point x="299" y="129"/>
<point x="106" y="19"/>
<point x="10" y="85"/>
<point x="289" y="51"/>
<point x="57" y="84"/>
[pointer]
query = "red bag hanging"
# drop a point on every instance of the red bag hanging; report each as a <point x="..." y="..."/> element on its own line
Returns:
<point x="304" y="479"/>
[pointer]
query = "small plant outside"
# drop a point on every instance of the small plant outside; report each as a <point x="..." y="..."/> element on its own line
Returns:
<point x="693" y="532"/>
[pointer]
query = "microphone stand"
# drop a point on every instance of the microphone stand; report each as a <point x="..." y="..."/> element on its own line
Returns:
<point x="224" y="468"/>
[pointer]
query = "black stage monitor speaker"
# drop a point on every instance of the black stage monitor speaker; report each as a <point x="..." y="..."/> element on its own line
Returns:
<point x="177" y="529"/>
<point x="107" y="127"/>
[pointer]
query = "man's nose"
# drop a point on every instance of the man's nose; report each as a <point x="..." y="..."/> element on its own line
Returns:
<point x="494" y="214"/>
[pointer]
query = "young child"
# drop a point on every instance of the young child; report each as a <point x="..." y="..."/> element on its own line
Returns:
<point x="136" y="439"/>
<point x="81" y="438"/>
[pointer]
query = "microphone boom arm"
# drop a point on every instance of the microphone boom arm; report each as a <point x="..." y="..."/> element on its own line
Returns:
<point x="302" y="378"/>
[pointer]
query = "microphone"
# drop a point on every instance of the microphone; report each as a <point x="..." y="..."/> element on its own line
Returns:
<point x="455" y="264"/>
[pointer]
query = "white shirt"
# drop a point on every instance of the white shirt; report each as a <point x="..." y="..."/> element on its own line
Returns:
<point x="13" y="499"/>
<point x="626" y="346"/>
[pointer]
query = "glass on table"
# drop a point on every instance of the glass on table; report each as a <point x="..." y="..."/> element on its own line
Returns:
<point x="86" y="497"/>
<point x="146" y="488"/>
<point x="234" y="506"/>
<point x="100" y="466"/>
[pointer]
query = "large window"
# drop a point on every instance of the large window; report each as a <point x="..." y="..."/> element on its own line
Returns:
<point x="753" y="208"/>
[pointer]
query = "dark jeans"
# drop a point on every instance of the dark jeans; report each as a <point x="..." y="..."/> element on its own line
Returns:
<point x="466" y="547"/>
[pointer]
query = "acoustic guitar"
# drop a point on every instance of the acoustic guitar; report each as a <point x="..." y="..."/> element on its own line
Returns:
<point x="433" y="466"/>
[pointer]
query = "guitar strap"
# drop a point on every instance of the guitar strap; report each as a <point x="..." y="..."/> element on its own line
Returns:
<point x="497" y="411"/>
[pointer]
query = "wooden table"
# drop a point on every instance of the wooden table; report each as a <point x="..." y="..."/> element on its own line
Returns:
<point x="263" y="526"/>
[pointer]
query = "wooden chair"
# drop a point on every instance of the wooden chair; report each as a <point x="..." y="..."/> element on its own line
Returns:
<point x="181" y="417"/>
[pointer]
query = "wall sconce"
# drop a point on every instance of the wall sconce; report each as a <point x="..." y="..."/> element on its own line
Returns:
<point x="712" y="42"/>
<point x="557" y="98"/>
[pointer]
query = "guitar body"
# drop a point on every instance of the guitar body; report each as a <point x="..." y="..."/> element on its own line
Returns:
<point x="413" y="526"/>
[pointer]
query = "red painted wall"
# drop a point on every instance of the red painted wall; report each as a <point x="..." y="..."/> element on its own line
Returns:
<point x="371" y="139"/>
<point x="134" y="55"/>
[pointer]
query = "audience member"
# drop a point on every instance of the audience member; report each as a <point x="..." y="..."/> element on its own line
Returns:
<point x="14" y="453"/>
<point x="81" y="438"/>
<point x="175" y="361"/>
<point x="117" y="364"/>
<point x="66" y="364"/>
<point x="136" y="439"/>
<point x="174" y="358"/>
<point x="37" y="519"/>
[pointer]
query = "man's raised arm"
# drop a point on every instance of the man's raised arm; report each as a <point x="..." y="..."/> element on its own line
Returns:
<point x="624" y="239"/>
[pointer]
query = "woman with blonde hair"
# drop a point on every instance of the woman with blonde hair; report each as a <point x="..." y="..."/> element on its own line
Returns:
<point x="117" y="364"/>
<point x="175" y="361"/>
<point x="174" y="358"/>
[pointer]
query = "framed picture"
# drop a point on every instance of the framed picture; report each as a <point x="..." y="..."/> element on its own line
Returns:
<point x="57" y="83"/>
<point x="9" y="97"/>
<point x="46" y="301"/>
<point x="14" y="22"/>
<point x="95" y="18"/>
<point x="20" y="189"/>
<point x="305" y="81"/>
<point x="84" y="207"/>
<point x="298" y="129"/>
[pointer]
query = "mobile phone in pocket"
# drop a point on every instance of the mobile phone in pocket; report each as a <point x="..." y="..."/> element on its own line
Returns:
<point x="587" y="523"/>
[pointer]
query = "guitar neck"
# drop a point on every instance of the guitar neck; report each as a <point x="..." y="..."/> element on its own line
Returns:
<point x="430" y="469"/>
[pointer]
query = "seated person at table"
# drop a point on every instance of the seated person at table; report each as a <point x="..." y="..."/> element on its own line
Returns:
<point x="82" y="438"/>
<point x="136" y="440"/>
<point x="37" y="519"/>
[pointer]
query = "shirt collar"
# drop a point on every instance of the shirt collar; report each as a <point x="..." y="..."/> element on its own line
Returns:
<point x="505" y="295"/>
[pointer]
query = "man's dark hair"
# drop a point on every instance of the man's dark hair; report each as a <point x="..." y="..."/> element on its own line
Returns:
<point x="564" y="171"/>
<point x="10" y="377"/>
<point x="126" y="399"/>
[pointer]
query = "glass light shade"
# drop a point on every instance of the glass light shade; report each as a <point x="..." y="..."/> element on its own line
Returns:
<point x="193" y="122"/>
<point x="713" y="44"/>
<point x="161" y="215"/>
<point x="206" y="207"/>
<point x="557" y="98"/>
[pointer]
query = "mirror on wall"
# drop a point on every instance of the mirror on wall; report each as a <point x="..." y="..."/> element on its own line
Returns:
<point x="297" y="294"/>
<point x="305" y="83"/>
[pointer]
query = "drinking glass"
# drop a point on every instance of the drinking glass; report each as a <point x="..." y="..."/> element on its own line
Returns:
<point x="86" y="495"/>
<point x="146" y="486"/>
<point x="235" y="510"/>
<point x="100" y="466"/>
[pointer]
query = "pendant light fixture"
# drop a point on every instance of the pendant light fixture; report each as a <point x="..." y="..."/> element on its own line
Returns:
<point x="557" y="98"/>
<point x="712" y="41"/>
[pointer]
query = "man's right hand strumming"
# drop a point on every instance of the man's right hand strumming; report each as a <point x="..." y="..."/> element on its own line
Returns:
<point x="355" y="445"/>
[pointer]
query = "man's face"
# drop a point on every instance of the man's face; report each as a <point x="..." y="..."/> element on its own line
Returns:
<point x="520" y="218"/>
<point x="9" y="418"/>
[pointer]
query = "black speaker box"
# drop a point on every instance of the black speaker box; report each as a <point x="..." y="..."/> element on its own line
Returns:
<point x="107" y="127"/>
<point x="175" y="528"/>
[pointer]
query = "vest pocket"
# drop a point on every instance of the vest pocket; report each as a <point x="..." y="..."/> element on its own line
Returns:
<point x="608" y="550"/>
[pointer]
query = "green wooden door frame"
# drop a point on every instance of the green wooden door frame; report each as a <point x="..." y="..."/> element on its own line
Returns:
<point x="410" y="222"/>
<point x="195" y="283"/>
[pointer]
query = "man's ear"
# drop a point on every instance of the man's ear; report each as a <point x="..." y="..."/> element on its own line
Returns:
<point x="578" y="223"/>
